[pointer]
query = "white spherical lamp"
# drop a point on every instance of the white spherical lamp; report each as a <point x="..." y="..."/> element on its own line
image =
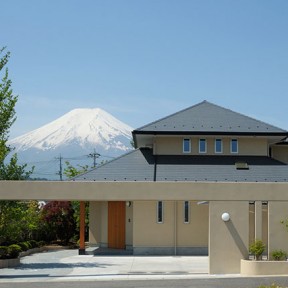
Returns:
<point x="225" y="217"/>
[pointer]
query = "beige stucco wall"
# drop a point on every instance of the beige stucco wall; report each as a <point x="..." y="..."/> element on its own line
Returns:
<point x="98" y="223"/>
<point x="246" y="146"/>
<point x="167" y="234"/>
<point x="146" y="231"/>
<point x="278" y="235"/>
<point x="228" y="241"/>
<point x="194" y="233"/>
<point x="280" y="153"/>
<point x="135" y="191"/>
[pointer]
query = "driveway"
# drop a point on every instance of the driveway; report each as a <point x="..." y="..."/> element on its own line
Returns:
<point x="64" y="265"/>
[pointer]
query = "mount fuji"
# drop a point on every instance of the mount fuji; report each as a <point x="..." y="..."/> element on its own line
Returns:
<point x="74" y="136"/>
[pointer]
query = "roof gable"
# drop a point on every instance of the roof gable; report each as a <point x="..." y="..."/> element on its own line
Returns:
<point x="209" y="118"/>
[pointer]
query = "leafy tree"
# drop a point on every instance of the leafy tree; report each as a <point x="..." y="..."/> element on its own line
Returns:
<point x="10" y="171"/>
<point x="11" y="212"/>
<point x="59" y="220"/>
<point x="70" y="171"/>
<point x="19" y="221"/>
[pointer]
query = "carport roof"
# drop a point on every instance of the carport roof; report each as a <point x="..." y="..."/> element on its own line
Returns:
<point x="142" y="165"/>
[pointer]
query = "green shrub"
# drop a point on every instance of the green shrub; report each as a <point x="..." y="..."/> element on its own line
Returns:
<point x="33" y="243"/>
<point x="41" y="243"/>
<point x="14" y="250"/>
<point x="3" y="252"/>
<point x="257" y="248"/>
<point x="24" y="246"/>
<point x="29" y="245"/>
<point x="278" y="255"/>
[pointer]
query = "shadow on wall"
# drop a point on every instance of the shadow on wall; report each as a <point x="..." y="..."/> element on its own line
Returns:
<point x="238" y="240"/>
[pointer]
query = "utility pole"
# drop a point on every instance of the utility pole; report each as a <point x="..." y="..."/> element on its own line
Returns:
<point x="94" y="156"/>
<point x="60" y="168"/>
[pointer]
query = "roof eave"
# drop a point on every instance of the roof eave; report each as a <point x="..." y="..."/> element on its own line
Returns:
<point x="137" y="132"/>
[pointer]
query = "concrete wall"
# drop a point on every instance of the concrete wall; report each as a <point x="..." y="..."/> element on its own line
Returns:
<point x="228" y="241"/>
<point x="246" y="146"/>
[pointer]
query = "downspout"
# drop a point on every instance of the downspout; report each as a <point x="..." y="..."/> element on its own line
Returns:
<point x="155" y="168"/>
<point x="155" y="161"/>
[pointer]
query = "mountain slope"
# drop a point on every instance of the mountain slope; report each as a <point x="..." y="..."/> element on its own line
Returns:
<point x="81" y="127"/>
<point x="77" y="133"/>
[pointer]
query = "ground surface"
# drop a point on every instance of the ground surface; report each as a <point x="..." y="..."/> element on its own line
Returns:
<point x="65" y="268"/>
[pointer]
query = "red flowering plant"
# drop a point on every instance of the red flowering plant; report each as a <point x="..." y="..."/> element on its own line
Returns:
<point x="59" y="220"/>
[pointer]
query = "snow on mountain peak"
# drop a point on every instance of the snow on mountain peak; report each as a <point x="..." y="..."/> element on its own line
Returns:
<point x="93" y="127"/>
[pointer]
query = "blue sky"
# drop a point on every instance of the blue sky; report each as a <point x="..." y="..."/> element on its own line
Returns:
<point x="141" y="60"/>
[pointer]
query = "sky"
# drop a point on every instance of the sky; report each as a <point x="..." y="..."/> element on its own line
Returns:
<point x="141" y="60"/>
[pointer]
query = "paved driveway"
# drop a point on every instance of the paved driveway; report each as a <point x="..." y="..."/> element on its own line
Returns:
<point x="68" y="265"/>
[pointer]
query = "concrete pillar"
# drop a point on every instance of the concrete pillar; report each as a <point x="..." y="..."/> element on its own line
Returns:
<point x="228" y="241"/>
<point x="258" y="220"/>
<point x="95" y="219"/>
<point x="277" y="232"/>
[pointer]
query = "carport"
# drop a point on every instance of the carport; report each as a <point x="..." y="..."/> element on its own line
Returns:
<point x="225" y="237"/>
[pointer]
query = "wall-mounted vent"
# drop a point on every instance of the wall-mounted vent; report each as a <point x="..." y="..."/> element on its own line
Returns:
<point x="241" y="166"/>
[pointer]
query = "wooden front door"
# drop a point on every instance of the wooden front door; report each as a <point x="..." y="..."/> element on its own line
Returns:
<point x="116" y="224"/>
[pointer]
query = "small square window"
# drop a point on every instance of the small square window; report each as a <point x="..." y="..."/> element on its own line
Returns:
<point x="218" y="146"/>
<point x="234" y="146"/>
<point x="186" y="145"/>
<point x="202" y="146"/>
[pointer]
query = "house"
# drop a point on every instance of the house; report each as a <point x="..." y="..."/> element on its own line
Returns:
<point x="204" y="143"/>
<point x="205" y="180"/>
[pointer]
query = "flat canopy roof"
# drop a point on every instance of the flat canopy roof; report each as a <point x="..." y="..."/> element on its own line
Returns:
<point x="133" y="191"/>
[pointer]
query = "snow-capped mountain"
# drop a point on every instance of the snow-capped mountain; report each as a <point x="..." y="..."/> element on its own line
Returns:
<point x="79" y="132"/>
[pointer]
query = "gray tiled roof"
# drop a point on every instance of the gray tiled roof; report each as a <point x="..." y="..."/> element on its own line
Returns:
<point x="139" y="165"/>
<point x="206" y="117"/>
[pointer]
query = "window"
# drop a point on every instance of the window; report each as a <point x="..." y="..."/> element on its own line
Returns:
<point x="186" y="211"/>
<point x="218" y="146"/>
<point x="186" y="146"/>
<point x="160" y="212"/>
<point x="234" y="146"/>
<point x="202" y="145"/>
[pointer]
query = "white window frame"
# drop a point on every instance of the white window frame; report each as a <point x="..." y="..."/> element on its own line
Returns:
<point x="205" y="141"/>
<point x="162" y="212"/>
<point x="218" y="152"/>
<point x="231" y="146"/>
<point x="189" y="140"/>
<point x="184" y="212"/>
